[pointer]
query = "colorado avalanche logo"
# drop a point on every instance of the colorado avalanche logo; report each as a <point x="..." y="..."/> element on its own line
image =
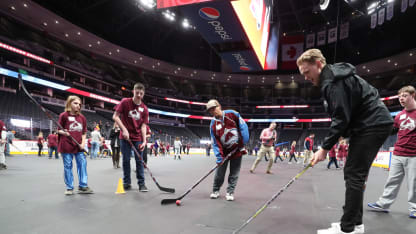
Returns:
<point x="230" y="137"/>
<point x="75" y="126"/>
<point x="245" y="68"/>
<point x="209" y="13"/>
<point x="134" y="114"/>
<point x="408" y="124"/>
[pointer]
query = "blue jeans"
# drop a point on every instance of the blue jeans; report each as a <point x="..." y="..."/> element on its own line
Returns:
<point x="51" y="150"/>
<point x="81" y="160"/>
<point x="126" y="152"/>
<point x="95" y="147"/>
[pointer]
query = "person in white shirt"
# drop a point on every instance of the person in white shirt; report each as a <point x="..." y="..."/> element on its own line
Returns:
<point x="95" y="143"/>
<point x="267" y="137"/>
<point x="177" y="148"/>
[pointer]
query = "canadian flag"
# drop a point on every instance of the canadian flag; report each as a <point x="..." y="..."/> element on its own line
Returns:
<point x="292" y="48"/>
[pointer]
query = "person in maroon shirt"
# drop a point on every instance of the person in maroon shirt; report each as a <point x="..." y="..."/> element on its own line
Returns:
<point x="2" y="144"/>
<point x="403" y="161"/>
<point x="53" y="144"/>
<point x="132" y="116"/>
<point x="74" y="124"/>
<point x="40" y="143"/>
<point x="292" y="152"/>
<point x="332" y="157"/>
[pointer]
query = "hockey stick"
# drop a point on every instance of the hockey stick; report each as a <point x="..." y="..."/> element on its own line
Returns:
<point x="173" y="200"/>
<point x="45" y="111"/>
<point x="272" y="199"/>
<point x="164" y="189"/>
<point x="282" y="143"/>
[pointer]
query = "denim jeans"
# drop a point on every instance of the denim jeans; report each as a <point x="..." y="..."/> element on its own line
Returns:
<point x="126" y="152"/>
<point x="95" y="147"/>
<point x="51" y="150"/>
<point x="235" y="165"/>
<point x="363" y="148"/>
<point x="81" y="161"/>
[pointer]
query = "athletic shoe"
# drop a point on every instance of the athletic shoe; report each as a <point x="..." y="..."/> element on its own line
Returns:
<point x="3" y="166"/>
<point x="229" y="197"/>
<point x="412" y="215"/>
<point x="334" y="230"/>
<point x="377" y="207"/>
<point x="215" y="195"/>
<point x="85" y="190"/>
<point x="143" y="188"/>
<point x="127" y="186"/>
<point x="358" y="229"/>
<point x="69" y="192"/>
<point x="269" y="172"/>
<point x="251" y="171"/>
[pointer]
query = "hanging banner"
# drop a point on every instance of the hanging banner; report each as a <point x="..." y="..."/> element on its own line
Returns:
<point x="321" y="38"/>
<point x="381" y="16"/>
<point x="412" y="3"/>
<point x="344" y="31"/>
<point x="374" y="20"/>
<point x="292" y="48"/>
<point x="332" y="35"/>
<point x="404" y="5"/>
<point x="390" y="11"/>
<point x="310" y="40"/>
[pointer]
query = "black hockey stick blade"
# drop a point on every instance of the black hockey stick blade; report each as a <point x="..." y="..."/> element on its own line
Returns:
<point x="169" y="201"/>
<point x="164" y="189"/>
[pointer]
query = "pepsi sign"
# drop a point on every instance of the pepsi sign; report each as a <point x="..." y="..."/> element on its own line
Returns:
<point x="242" y="61"/>
<point x="215" y="21"/>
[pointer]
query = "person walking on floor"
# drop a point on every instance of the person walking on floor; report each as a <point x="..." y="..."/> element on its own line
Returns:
<point x="267" y="137"/>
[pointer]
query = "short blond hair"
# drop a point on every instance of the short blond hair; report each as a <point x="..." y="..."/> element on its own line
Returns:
<point x="408" y="89"/>
<point x="311" y="56"/>
<point x="69" y="100"/>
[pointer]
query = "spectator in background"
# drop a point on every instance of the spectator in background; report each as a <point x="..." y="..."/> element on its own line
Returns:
<point x="208" y="149"/>
<point x="332" y="157"/>
<point x="9" y="141"/>
<point x="148" y="135"/>
<point x="267" y="137"/>
<point x="53" y="144"/>
<point x="2" y="144"/>
<point x="177" y="148"/>
<point x="308" y="144"/>
<point x="256" y="149"/>
<point x="292" y="152"/>
<point x="40" y="143"/>
<point x="95" y="143"/>
<point x="115" y="145"/>
<point x="188" y="146"/>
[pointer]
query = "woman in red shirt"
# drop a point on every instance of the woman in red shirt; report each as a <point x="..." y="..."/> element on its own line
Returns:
<point x="292" y="152"/>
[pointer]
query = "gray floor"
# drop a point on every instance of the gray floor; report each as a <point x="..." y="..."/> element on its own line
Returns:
<point x="32" y="200"/>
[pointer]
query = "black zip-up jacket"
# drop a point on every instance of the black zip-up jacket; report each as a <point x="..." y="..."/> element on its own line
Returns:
<point x="352" y="103"/>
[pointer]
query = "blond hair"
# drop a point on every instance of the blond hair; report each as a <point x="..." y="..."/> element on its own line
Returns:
<point x="407" y="89"/>
<point x="311" y="56"/>
<point x="69" y="100"/>
<point x="293" y="143"/>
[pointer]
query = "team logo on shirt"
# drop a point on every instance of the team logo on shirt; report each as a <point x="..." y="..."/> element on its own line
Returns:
<point x="408" y="124"/>
<point x="218" y="126"/>
<point x="75" y="126"/>
<point x="230" y="137"/>
<point x="134" y="114"/>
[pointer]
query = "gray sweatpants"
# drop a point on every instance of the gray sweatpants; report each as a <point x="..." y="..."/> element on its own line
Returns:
<point x="399" y="168"/>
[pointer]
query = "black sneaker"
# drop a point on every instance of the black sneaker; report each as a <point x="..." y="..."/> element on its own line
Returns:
<point x="127" y="186"/>
<point x="3" y="166"/>
<point x="85" y="190"/>
<point x="143" y="188"/>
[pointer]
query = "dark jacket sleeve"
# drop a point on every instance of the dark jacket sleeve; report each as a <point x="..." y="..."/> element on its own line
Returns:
<point x="339" y="100"/>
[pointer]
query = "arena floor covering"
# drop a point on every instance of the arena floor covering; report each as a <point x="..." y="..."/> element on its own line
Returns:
<point x="32" y="200"/>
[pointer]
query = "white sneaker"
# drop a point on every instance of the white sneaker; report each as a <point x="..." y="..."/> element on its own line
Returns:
<point x="358" y="229"/>
<point x="214" y="195"/>
<point x="229" y="197"/>
<point x="334" y="230"/>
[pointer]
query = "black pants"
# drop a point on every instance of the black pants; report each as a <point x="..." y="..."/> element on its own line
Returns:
<point x="332" y="160"/>
<point x="363" y="148"/>
<point x="116" y="156"/>
<point x="292" y="156"/>
<point x="40" y="149"/>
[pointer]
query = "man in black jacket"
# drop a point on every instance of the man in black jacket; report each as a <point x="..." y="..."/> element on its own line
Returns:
<point x="357" y="112"/>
